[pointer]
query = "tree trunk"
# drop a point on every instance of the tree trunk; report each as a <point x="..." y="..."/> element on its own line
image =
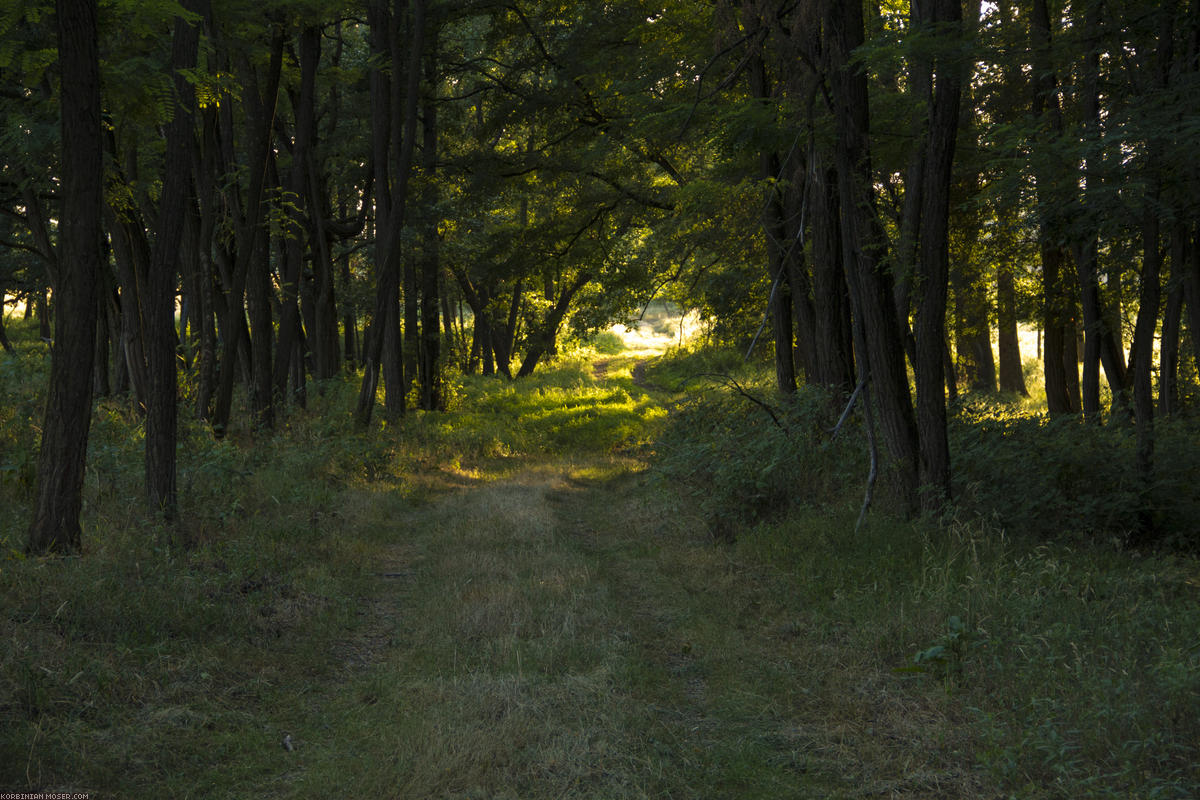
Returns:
<point x="1191" y="289"/>
<point x="63" y="452"/>
<point x="1050" y="189"/>
<point x="391" y="191"/>
<point x="934" y="268"/>
<point x="251" y="253"/>
<point x="871" y="290"/>
<point x="833" y="349"/>
<point x="1012" y="373"/>
<point x="542" y="340"/>
<point x="429" y="361"/>
<point x="162" y="280"/>
<point x="1168" y="370"/>
<point x="1142" y="352"/>
<point x="4" y="341"/>
<point x="131" y="253"/>
<point x="1150" y="292"/>
<point x="299" y="184"/>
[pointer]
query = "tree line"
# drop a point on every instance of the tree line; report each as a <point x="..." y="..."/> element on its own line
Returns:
<point x="257" y="198"/>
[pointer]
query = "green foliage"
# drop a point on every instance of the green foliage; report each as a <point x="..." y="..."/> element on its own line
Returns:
<point x="1056" y="478"/>
<point x="607" y="343"/>
<point x="738" y="467"/>
<point x="944" y="659"/>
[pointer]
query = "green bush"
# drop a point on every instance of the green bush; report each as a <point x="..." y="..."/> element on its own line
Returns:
<point x="738" y="467"/>
<point x="1055" y="477"/>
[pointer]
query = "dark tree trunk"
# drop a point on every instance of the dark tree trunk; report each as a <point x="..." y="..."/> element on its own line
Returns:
<point x="259" y="296"/>
<point x="349" y="319"/>
<point x="206" y="278"/>
<point x="1050" y="191"/>
<point x="1150" y="291"/>
<point x="162" y="280"/>
<point x="391" y="191"/>
<point x="798" y="276"/>
<point x="131" y="253"/>
<point x="42" y="310"/>
<point x="1100" y="340"/>
<point x="972" y="324"/>
<point x="503" y="335"/>
<point x="1142" y="352"/>
<point x="1191" y="290"/>
<point x="779" y="308"/>
<point x="542" y="340"/>
<point x="4" y="340"/>
<point x="934" y="266"/>
<point x="101" y="386"/>
<point x="1012" y="373"/>
<point x="63" y="452"/>
<point x="871" y="290"/>
<point x="1056" y="330"/>
<point x="834" y="344"/>
<point x="248" y="282"/>
<point x="323" y="339"/>
<point x="429" y="362"/>
<point x="290" y="330"/>
<point x="1168" y="370"/>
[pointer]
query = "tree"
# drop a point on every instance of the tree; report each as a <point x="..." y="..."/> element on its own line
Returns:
<point x="389" y="136"/>
<point x="163" y="277"/>
<point x="63" y="451"/>
<point x="863" y="242"/>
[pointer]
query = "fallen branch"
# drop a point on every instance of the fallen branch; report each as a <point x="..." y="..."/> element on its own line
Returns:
<point x="737" y="387"/>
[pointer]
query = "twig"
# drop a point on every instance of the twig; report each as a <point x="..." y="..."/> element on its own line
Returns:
<point x="849" y="407"/>
<point x="737" y="387"/>
<point x="873" y="446"/>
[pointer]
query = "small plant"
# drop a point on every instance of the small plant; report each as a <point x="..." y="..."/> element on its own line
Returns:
<point x="945" y="658"/>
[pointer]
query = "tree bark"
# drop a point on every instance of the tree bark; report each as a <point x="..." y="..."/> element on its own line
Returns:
<point x="290" y="329"/>
<point x="1055" y="315"/>
<point x="246" y="272"/>
<point x="385" y="322"/>
<point x="871" y="290"/>
<point x="833" y="348"/>
<point x="429" y="356"/>
<point x="162" y="280"/>
<point x="934" y="268"/>
<point x="63" y="452"/>
<point x="541" y="341"/>
<point x="1012" y="373"/>
<point x="4" y="340"/>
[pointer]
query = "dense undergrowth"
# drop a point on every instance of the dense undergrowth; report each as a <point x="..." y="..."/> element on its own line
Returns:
<point x="1075" y="658"/>
<point x="1012" y="647"/>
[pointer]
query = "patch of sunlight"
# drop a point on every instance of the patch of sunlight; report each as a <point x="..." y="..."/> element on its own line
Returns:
<point x="661" y="327"/>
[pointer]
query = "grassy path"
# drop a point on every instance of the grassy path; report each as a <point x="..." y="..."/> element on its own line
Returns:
<point x="507" y="601"/>
<point x="558" y="634"/>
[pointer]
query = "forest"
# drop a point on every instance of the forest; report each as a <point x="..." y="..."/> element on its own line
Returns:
<point x="714" y="398"/>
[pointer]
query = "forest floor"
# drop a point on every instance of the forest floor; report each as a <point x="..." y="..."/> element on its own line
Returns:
<point x="555" y="634"/>
<point x="521" y="599"/>
<point x="554" y="630"/>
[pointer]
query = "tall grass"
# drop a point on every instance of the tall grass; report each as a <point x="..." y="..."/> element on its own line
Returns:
<point x="523" y="598"/>
<point x="1070" y="663"/>
<point x="175" y="660"/>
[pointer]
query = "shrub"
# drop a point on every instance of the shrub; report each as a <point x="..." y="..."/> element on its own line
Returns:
<point x="737" y="467"/>
<point x="1052" y="477"/>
